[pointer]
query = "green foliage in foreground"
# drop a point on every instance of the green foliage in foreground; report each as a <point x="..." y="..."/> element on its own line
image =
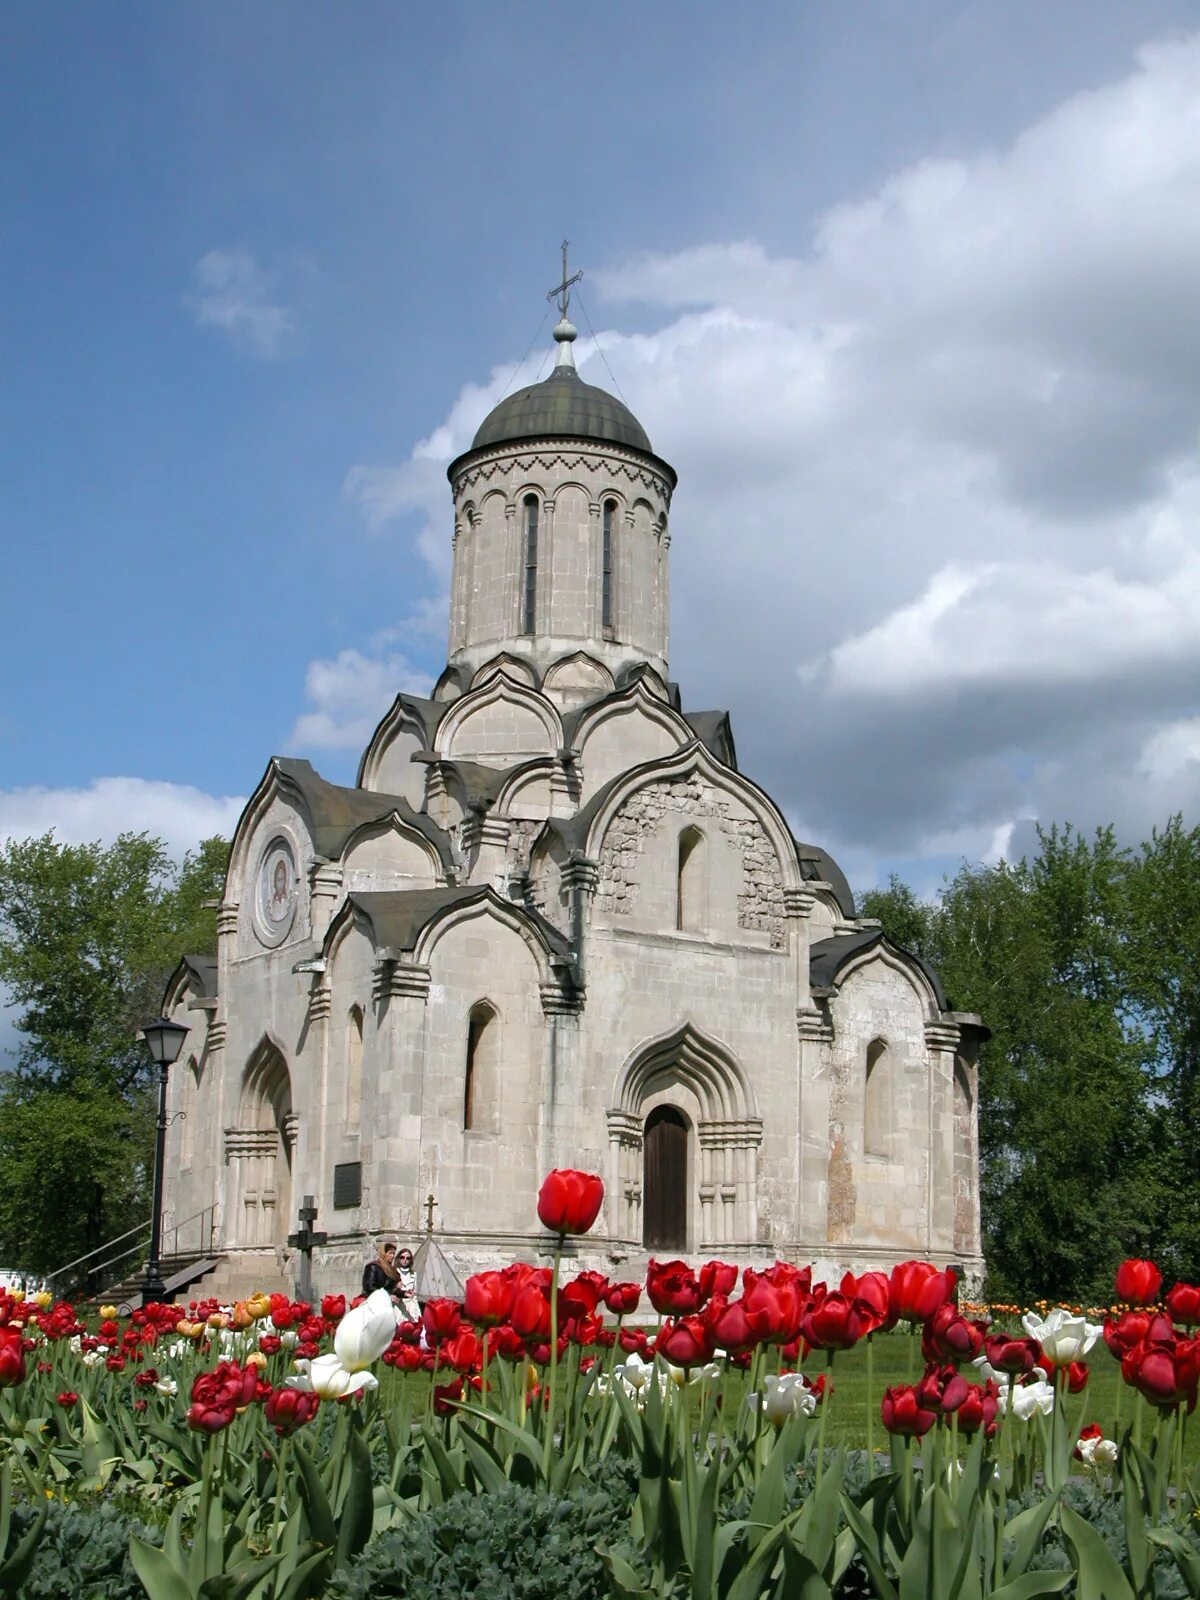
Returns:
<point x="1085" y="963"/>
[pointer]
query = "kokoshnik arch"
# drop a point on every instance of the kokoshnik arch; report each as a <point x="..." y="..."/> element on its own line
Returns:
<point x="553" y="924"/>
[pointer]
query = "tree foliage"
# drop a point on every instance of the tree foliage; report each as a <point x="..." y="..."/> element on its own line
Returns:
<point x="1085" y="964"/>
<point x="88" y="936"/>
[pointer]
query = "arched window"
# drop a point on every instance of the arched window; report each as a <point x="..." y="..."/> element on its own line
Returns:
<point x="691" y="897"/>
<point x="529" y="599"/>
<point x="482" y="1080"/>
<point x="875" y="1099"/>
<point x="354" y="1053"/>
<point x="606" y="568"/>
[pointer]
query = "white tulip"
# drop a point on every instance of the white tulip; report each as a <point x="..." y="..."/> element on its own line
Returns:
<point x="365" y="1332"/>
<point x="783" y="1397"/>
<point x="167" y="1386"/>
<point x="1028" y="1398"/>
<point x="635" y="1373"/>
<point x="327" y="1377"/>
<point x="1062" y="1336"/>
<point x="1098" y="1452"/>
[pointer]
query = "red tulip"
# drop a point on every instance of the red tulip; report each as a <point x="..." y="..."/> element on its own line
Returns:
<point x="732" y="1330"/>
<point x="1183" y="1303"/>
<point x="530" y="1314"/>
<point x="622" y="1299"/>
<point x="673" y="1288"/>
<point x="948" y="1336"/>
<point x="333" y="1307"/>
<point x="835" y="1322"/>
<point x="442" y="1319"/>
<point x="1138" y="1282"/>
<point x="1164" y="1367"/>
<point x="979" y="1408"/>
<point x="943" y="1389"/>
<point x="488" y="1298"/>
<point x="67" y="1399"/>
<point x="1009" y="1354"/>
<point x="776" y="1301"/>
<point x="1074" y="1375"/>
<point x="289" y="1409"/>
<point x="463" y="1352"/>
<point x="12" y="1361"/>
<point x="916" y="1290"/>
<point x="583" y="1294"/>
<point x="1123" y="1332"/>
<point x="636" y="1342"/>
<point x="687" y="1342"/>
<point x="903" y="1413"/>
<point x="584" y="1331"/>
<point x="874" y="1289"/>
<point x="716" y="1277"/>
<point x="569" y="1201"/>
<point x="505" y="1341"/>
<point x="446" y="1397"/>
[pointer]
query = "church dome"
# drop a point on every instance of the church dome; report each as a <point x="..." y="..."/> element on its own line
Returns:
<point x="562" y="406"/>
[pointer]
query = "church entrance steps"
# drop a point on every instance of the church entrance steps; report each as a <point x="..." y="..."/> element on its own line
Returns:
<point x="214" y="1276"/>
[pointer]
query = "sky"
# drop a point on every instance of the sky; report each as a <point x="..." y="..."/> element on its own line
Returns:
<point x="908" y="295"/>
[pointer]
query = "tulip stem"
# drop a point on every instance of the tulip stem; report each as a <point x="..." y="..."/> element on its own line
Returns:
<point x="870" y="1406"/>
<point x="280" y="1479"/>
<point x="548" y="1441"/>
<point x="826" y="1397"/>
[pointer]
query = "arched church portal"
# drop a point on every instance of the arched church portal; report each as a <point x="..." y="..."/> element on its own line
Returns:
<point x="665" y="1180"/>
<point x="684" y="1133"/>
<point x="259" y="1152"/>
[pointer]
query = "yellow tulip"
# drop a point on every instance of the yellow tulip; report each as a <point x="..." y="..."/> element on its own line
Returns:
<point x="108" y="1312"/>
<point x="256" y="1359"/>
<point x="43" y="1298"/>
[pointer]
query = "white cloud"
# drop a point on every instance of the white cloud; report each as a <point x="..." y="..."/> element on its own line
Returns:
<point x="350" y="693"/>
<point x="936" y="534"/>
<point x="174" y="812"/>
<point x="1172" y="749"/>
<point x="234" y="294"/>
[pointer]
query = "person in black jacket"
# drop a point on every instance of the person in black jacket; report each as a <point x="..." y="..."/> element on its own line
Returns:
<point x="381" y="1273"/>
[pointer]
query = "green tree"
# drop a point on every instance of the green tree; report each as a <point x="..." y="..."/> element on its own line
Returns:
<point x="1040" y="950"/>
<point x="88" y="936"/>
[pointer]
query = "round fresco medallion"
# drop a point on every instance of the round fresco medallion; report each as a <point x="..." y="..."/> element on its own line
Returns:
<point x="277" y="889"/>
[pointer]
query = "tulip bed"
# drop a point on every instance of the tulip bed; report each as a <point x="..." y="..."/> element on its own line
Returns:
<point x="765" y="1436"/>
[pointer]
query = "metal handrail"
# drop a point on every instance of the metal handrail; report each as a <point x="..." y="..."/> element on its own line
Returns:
<point x="107" y="1245"/>
<point x="208" y="1213"/>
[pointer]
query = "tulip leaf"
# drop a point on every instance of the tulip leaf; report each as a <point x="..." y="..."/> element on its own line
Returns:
<point x="1187" y="1558"/>
<point x="489" y="1469"/>
<point x="1025" y="1531"/>
<point x="625" y="1583"/>
<point x="316" y="1501"/>
<point x="869" y="1549"/>
<point x="1100" y="1577"/>
<point x="160" y="1579"/>
<point x="1033" y="1584"/>
<point x="358" y="1508"/>
<point x="705" y="1526"/>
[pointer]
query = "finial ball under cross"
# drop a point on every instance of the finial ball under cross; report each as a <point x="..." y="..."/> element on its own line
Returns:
<point x="562" y="291"/>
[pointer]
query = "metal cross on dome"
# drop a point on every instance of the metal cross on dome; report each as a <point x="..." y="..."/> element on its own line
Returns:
<point x="562" y="291"/>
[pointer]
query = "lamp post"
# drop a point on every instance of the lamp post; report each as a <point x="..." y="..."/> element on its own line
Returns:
<point x="164" y="1040"/>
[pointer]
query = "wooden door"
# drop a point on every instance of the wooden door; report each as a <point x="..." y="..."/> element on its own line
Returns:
<point x="665" y="1188"/>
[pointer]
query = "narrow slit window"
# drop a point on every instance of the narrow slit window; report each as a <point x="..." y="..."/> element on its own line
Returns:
<point x="482" y="1076"/>
<point x="690" y="883"/>
<point x="875" y="1099"/>
<point x="606" y="574"/>
<point x="529" y="599"/>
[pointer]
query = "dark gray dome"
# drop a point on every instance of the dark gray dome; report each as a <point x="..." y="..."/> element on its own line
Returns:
<point x="562" y="406"/>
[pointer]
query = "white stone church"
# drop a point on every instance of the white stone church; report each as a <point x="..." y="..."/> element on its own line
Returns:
<point x="552" y="924"/>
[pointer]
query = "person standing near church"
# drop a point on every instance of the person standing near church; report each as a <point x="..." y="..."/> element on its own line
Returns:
<point x="406" y="1287"/>
<point x="381" y="1273"/>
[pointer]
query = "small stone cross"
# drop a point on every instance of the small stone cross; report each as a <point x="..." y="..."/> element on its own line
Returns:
<point x="430" y="1202"/>
<point x="304" y="1240"/>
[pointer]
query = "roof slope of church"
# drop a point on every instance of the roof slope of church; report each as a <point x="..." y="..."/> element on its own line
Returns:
<point x="562" y="406"/>
<point x="337" y="811"/>
<point x="399" y="915"/>
<point x="828" y="956"/>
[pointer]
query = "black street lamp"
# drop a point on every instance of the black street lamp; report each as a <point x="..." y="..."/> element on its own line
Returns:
<point x="164" y="1040"/>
